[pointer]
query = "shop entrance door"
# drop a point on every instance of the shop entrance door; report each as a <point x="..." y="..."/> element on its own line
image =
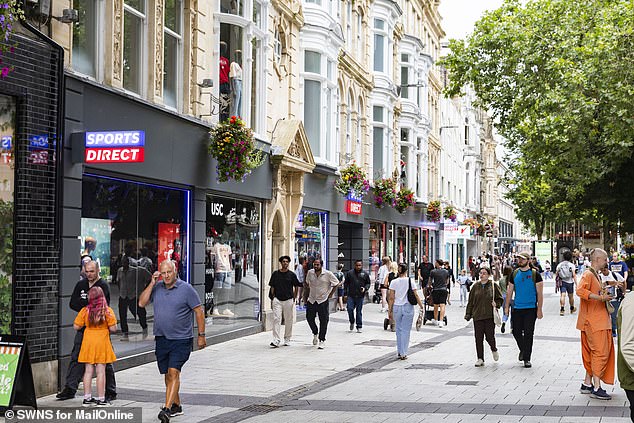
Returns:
<point x="350" y="244"/>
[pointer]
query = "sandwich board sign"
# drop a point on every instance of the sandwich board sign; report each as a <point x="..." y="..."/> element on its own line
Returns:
<point x="16" y="378"/>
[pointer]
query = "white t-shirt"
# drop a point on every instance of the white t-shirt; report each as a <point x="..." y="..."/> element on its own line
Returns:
<point x="383" y="272"/>
<point x="399" y="286"/>
<point x="609" y="278"/>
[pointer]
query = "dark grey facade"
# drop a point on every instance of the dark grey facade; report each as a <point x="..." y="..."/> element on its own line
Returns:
<point x="175" y="156"/>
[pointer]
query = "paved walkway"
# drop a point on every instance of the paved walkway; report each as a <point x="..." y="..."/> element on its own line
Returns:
<point x="358" y="379"/>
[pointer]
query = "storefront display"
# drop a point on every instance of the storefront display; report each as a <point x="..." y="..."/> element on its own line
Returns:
<point x="232" y="263"/>
<point x="376" y="237"/>
<point x="7" y="178"/>
<point x="413" y="249"/>
<point x="311" y="235"/>
<point x="140" y="225"/>
<point x="401" y="244"/>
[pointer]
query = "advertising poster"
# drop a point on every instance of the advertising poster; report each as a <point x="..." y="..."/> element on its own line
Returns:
<point x="543" y="251"/>
<point x="168" y="242"/>
<point x="95" y="241"/>
<point x="9" y="358"/>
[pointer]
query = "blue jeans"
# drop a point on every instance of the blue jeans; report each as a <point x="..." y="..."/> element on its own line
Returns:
<point x="355" y="304"/>
<point x="236" y="97"/>
<point x="616" y="305"/>
<point x="403" y="316"/>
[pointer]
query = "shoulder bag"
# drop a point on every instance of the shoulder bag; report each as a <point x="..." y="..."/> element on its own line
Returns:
<point x="496" y="313"/>
<point x="411" y="297"/>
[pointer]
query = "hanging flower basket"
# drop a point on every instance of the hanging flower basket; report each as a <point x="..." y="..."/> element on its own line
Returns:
<point x="10" y="13"/>
<point x="473" y="223"/>
<point x="384" y="192"/>
<point x="434" y="211"/>
<point x="404" y="200"/>
<point x="233" y="147"/>
<point x="353" y="180"/>
<point x="450" y="213"/>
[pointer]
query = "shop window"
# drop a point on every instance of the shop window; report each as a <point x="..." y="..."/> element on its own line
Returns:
<point x="376" y="237"/>
<point x="311" y="235"/>
<point x="134" y="21"/>
<point x="401" y="244"/>
<point x="85" y="37"/>
<point x="234" y="7"/>
<point x="172" y="54"/>
<point x="232" y="263"/>
<point x="413" y="250"/>
<point x="7" y="178"/>
<point x="130" y="229"/>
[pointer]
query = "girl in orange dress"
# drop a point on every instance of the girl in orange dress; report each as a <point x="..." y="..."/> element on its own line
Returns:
<point x="96" y="349"/>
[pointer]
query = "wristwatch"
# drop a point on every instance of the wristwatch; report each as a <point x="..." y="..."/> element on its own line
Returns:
<point x="201" y="334"/>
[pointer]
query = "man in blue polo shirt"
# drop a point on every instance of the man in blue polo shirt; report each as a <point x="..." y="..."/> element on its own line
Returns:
<point x="526" y="283"/>
<point x="175" y="302"/>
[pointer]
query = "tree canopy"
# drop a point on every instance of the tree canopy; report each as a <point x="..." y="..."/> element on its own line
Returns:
<point x="558" y="77"/>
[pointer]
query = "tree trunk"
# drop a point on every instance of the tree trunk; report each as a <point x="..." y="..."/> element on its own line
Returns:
<point x="539" y="227"/>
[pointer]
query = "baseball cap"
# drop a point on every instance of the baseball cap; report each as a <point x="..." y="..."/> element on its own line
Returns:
<point x="523" y="254"/>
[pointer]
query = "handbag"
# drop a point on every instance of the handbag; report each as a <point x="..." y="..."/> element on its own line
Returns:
<point x="496" y="313"/>
<point x="411" y="297"/>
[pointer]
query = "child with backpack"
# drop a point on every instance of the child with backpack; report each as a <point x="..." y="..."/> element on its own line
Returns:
<point x="96" y="348"/>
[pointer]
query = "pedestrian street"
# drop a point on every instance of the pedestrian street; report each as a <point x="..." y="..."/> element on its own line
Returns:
<point x="357" y="377"/>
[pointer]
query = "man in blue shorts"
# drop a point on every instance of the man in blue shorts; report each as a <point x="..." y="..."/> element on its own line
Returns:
<point x="174" y="303"/>
<point x="566" y="272"/>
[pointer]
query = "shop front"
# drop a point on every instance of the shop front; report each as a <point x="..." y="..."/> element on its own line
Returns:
<point x="139" y="190"/>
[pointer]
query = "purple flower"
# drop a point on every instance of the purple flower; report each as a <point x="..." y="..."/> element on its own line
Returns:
<point x="5" y="72"/>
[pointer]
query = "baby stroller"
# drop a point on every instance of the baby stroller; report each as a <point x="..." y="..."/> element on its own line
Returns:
<point x="376" y="298"/>
<point x="429" y="302"/>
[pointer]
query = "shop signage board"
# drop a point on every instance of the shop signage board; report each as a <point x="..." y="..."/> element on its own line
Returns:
<point x="353" y="207"/>
<point x="16" y="378"/>
<point x="109" y="147"/>
<point x="464" y="231"/>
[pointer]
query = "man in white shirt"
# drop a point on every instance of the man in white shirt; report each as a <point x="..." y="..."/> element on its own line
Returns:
<point x="616" y="282"/>
<point x="322" y="284"/>
<point x="382" y="274"/>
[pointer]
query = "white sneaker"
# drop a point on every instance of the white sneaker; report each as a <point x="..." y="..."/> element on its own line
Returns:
<point x="439" y="323"/>
<point x="359" y="330"/>
<point x="287" y="343"/>
<point x="227" y="312"/>
<point x="496" y="355"/>
<point x="215" y="312"/>
<point x="434" y="322"/>
<point x="315" y="339"/>
<point x="322" y="344"/>
<point x="275" y="343"/>
<point x="479" y="363"/>
<point x="382" y="310"/>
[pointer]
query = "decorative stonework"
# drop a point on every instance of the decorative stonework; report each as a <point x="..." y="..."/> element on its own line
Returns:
<point x="193" y="45"/>
<point x="159" y="22"/>
<point x="117" y="41"/>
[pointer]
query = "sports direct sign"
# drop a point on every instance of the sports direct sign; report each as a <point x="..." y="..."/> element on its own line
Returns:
<point x="114" y="147"/>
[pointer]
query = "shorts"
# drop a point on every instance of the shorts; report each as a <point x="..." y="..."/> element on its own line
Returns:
<point x="340" y="292"/>
<point x="439" y="296"/>
<point x="222" y="280"/>
<point x="568" y="287"/>
<point x="172" y="353"/>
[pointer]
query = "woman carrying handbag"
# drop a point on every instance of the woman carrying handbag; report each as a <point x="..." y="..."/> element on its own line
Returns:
<point x="402" y="297"/>
<point x="485" y="298"/>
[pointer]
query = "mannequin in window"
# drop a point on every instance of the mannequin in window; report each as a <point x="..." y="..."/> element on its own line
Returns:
<point x="235" y="74"/>
<point x="221" y="258"/>
<point x="223" y="78"/>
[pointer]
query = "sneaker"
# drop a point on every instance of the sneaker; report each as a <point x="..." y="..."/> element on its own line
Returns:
<point x="479" y="363"/>
<point x="89" y="402"/>
<point x="164" y="415"/>
<point x="351" y="327"/>
<point x="561" y="312"/>
<point x="434" y="322"/>
<point x="275" y="343"/>
<point x="216" y="312"/>
<point x="287" y="342"/>
<point x="586" y="389"/>
<point x="101" y="403"/>
<point x="227" y="312"/>
<point x="359" y="330"/>
<point x="176" y="410"/>
<point x="496" y="355"/>
<point x="144" y="333"/>
<point x="386" y="323"/>
<point x="315" y="339"/>
<point x="503" y="328"/>
<point x="322" y="344"/>
<point x="527" y="364"/>
<point x="573" y="309"/>
<point x="66" y="394"/>
<point x="600" y="394"/>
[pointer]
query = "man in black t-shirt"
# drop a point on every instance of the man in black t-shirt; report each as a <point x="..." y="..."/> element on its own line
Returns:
<point x="284" y="284"/>
<point x="424" y="269"/>
<point x="439" y="279"/>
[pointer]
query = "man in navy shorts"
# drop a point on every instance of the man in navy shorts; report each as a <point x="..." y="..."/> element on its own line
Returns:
<point x="174" y="303"/>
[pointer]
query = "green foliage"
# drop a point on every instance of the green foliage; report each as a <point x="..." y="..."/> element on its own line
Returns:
<point x="558" y="76"/>
<point x="6" y="264"/>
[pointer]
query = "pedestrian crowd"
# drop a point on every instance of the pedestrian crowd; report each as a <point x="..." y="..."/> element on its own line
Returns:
<point x="493" y="290"/>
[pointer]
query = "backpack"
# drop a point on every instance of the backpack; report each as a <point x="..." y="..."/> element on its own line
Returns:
<point x="565" y="272"/>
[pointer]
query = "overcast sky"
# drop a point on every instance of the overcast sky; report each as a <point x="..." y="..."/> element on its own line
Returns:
<point x="458" y="16"/>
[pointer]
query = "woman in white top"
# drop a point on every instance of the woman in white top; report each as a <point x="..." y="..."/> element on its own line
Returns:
<point x="400" y="310"/>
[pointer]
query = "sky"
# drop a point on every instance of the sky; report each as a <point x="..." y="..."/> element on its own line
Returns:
<point x="459" y="16"/>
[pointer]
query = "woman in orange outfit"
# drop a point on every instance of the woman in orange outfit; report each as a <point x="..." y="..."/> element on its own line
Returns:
<point x="597" y="347"/>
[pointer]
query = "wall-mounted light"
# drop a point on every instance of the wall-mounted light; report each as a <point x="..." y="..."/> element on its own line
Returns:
<point x="68" y="16"/>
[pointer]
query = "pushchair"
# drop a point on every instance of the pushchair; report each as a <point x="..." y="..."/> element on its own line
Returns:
<point x="429" y="302"/>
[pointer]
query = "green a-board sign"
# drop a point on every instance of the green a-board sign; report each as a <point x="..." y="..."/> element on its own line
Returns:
<point x="16" y="378"/>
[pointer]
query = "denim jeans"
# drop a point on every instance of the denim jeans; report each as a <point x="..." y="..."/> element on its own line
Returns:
<point x="355" y="304"/>
<point x="616" y="304"/>
<point x="403" y="316"/>
<point x="464" y="295"/>
<point x="236" y="97"/>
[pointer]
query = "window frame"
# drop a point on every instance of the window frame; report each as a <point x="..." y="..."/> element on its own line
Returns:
<point x="167" y="32"/>
<point x="384" y="33"/>
<point x="142" y="51"/>
<point x="98" y="59"/>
